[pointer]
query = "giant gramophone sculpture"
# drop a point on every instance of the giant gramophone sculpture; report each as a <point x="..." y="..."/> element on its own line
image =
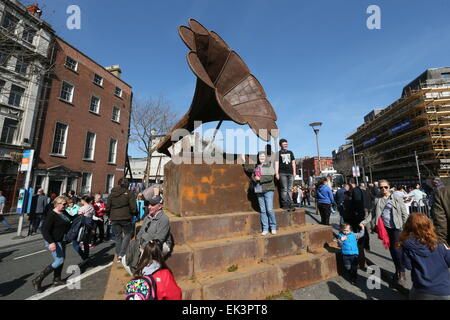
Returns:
<point x="226" y="90"/>
<point x="215" y="222"/>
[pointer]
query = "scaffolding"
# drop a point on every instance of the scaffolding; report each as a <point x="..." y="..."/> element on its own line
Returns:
<point x="424" y="113"/>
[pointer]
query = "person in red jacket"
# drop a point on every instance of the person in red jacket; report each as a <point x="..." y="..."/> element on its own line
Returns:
<point x="99" y="217"/>
<point x="152" y="263"/>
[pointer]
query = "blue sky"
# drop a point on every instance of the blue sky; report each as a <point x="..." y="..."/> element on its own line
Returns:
<point x="316" y="60"/>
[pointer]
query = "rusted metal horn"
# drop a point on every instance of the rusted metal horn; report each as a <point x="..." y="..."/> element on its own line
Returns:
<point x="225" y="90"/>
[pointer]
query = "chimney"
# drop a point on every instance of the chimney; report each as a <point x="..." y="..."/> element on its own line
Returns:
<point x="115" y="70"/>
<point x="34" y="10"/>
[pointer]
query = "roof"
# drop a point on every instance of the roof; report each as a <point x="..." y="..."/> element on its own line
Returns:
<point x="98" y="64"/>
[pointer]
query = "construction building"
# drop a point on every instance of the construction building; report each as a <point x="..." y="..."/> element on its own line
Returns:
<point x="386" y="145"/>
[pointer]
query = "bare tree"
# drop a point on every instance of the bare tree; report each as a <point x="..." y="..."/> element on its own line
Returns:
<point x="150" y="118"/>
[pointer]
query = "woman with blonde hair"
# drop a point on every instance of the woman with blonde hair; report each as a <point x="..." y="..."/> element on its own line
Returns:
<point x="427" y="259"/>
<point x="55" y="226"/>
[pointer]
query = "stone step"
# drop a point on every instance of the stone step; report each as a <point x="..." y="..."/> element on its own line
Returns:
<point x="214" y="227"/>
<point x="202" y="258"/>
<point x="263" y="279"/>
<point x="257" y="280"/>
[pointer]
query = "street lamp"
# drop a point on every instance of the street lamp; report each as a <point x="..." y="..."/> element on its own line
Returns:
<point x="315" y="126"/>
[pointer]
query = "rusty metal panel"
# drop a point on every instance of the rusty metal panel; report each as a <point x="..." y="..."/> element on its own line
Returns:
<point x="199" y="189"/>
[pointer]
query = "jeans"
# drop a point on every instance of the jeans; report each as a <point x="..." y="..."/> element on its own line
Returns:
<point x="325" y="211"/>
<point x="396" y="253"/>
<point x="120" y="227"/>
<point x="267" y="213"/>
<point x="101" y="230"/>
<point x="6" y="223"/>
<point x="287" y="182"/>
<point x="351" y="264"/>
<point x="58" y="255"/>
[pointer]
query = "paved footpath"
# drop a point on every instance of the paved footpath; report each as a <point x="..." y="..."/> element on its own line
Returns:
<point x="339" y="288"/>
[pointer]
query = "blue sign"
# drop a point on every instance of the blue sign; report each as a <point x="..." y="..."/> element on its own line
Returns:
<point x="21" y="201"/>
<point x="369" y="142"/>
<point x="400" y="127"/>
<point x="24" y="201"/>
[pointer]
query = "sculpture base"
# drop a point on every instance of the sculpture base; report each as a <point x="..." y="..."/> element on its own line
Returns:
<point x="201" y="189"/>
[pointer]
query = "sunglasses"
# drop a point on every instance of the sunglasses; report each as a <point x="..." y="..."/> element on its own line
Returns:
<point x="384" y="187"/>
<point x="63" y="203"/>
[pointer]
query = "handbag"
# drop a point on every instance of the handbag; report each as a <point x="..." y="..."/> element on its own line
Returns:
<point x="257" y="188"/>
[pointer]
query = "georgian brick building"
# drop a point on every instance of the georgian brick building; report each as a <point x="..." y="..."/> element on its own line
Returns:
<point x="84" y="128"/>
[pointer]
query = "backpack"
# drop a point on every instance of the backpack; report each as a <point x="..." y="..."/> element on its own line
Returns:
<point x="74" y="231"/>
<point x="143" y="288"/>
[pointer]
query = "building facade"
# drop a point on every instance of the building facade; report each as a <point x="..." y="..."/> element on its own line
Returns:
<point x="311" y="166"/>
<point x="85" y="127"/>
<point x="25" y="44"/>
<point x="418" y="123"/>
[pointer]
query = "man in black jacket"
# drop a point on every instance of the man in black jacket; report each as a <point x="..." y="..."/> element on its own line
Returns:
<point x="121" y="207"/>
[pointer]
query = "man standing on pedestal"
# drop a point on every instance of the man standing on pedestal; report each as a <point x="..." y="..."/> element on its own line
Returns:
<point x="285" y="170"/>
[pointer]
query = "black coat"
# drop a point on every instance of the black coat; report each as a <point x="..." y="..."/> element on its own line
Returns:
<point x="55" y="226"/>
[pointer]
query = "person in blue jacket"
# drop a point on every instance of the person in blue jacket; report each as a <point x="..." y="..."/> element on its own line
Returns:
<point x="325" y="198"/>
<point x="348" y="241"/>
<point x="427" y="258"/>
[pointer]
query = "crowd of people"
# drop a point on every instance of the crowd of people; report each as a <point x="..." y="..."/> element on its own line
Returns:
<point x="411" y="223"/>
<point x="415" y="233"/>
<point x="82" y="221"/>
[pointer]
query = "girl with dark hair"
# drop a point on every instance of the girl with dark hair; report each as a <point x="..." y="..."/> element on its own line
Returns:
<point x="152" y="263"/>
<point x="87" y="211"/>
<point x="427" y="259"/>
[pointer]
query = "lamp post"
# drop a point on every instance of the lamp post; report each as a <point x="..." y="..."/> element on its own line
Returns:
<point x="315" y="126"/>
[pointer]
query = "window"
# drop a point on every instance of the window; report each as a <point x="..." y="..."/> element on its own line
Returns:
<point x="59" y="141"/>
<point x="28" y="35"/>
<point x="109" y="182"/>
<point x="86" y="180"/>
<point x="66" y="92"/>
<point x="2" y="85"/>
<point x="21" y="65"/>
<point x="116" y="114"/>
<point x="95" y="104"/>
<point x="112" y="151"/>
<point x="4" y="57"/>
<point x="15" y="96"/>
<point x="90" y="146"/>
<point x="98" y="80"/>
<point x="118" y="92"/>
<point x="71" y="63"/>
<point x="10" y="22"/>
<point x="9" y="129"/>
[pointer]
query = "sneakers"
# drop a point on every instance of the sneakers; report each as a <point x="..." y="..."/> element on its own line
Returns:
<point x="274" y="231"/>
<point x="264" y="233"/>
<point x="91" y="246"/>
